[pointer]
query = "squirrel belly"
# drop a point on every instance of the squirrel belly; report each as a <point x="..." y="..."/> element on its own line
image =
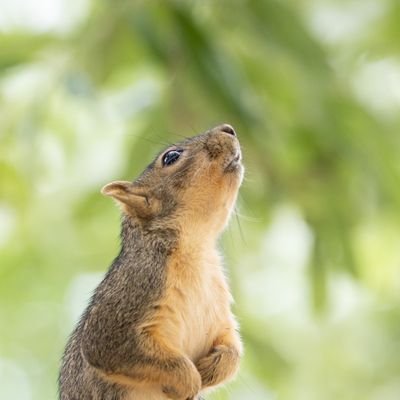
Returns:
<point x="196" y="303"/>
<point x="159" y="326"/>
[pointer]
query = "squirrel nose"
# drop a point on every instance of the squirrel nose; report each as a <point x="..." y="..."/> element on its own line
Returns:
<point x="226" y="128"/>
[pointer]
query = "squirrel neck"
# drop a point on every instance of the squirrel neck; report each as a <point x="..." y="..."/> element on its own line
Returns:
<point x="135" y="237"/>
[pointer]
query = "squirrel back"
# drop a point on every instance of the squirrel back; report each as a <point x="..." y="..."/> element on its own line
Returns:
<point x="159" y="325"/>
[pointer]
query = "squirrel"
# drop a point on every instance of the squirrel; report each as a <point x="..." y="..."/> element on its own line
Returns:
<point x="159" y="325"/>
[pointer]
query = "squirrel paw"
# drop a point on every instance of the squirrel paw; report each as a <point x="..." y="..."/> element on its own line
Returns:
<point x="174" y="394"/>
<point x="180" y="393"/>
<point x="185" y="383"/>
<point x="218" y="365"/>
<point x="171" y="392"/>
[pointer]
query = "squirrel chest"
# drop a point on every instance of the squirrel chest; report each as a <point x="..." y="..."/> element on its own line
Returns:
<point x="196" y="303"/>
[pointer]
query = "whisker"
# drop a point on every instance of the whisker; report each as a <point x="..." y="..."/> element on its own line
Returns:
<point x="240" y="227"/>
<point x="247" y="217"/>
<point x="241" y="378"/>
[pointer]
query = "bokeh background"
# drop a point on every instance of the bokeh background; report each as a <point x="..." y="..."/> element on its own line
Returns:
<point x="91" y="90"/>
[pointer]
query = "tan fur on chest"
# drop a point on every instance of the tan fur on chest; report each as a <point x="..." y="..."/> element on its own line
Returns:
<point x="196" y="305"/>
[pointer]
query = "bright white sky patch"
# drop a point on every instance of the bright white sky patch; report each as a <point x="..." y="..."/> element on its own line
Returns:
<point x="377" y="84"/>
<point x="42" y="15"/>
<point x="80" y="292"/>
<point x="14" y="383"/>
<point x="333" y="22"/>
<point x="7" y="224"/>
<point x="285" y="254"/>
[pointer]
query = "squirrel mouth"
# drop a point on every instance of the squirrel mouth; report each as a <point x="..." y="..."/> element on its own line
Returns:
<point x="234" y="164"/>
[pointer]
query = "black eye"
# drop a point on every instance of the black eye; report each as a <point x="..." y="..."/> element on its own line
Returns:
<point x="171" y="156"/>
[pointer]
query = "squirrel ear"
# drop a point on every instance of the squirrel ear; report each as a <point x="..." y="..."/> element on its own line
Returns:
<point x="119" y="190"/>
<point x="135" y="200"/>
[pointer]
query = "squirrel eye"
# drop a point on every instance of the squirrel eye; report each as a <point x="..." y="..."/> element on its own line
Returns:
<point x="170" y="157"/>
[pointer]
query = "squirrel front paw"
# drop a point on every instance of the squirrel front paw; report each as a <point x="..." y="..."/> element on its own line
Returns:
<point x="175" y="393"/>
<point x="186" y="386"/>
<point x="219" y="365"/>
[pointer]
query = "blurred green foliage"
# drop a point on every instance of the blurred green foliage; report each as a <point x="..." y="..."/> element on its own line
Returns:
<point x="313" y="89"/>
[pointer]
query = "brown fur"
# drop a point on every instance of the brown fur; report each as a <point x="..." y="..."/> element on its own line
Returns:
<point x="159" y="326"/>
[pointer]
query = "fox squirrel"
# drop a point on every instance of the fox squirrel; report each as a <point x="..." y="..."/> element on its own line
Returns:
<point x="159" y="325"/>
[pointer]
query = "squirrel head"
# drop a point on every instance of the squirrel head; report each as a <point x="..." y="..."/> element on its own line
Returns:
<point x="190" y="186"/>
